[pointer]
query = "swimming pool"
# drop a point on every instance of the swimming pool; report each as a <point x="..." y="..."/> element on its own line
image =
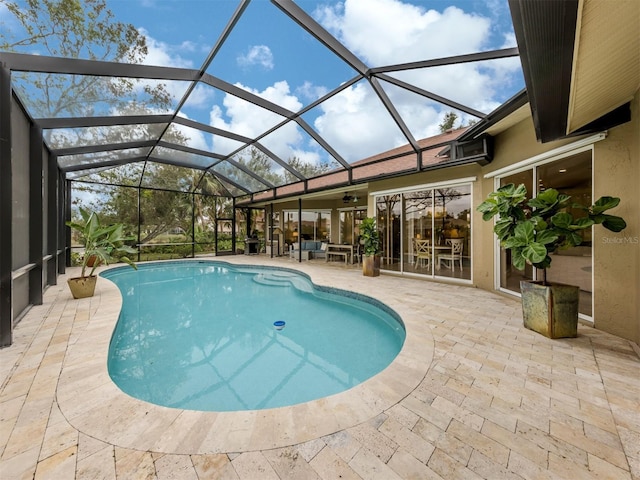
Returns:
<point x="201" y="336"/>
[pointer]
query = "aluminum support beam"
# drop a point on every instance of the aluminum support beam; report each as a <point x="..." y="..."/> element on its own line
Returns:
<point x="457" y="59"/>
<point x="74" y="66"/>
<point x="66" y="218"/>
<point x="388" y="104"/>
<point x="36" y="203"/>
<point x="52" y="220"/>
<point x="245" y="95"/>
<point x="6" y="212"/>
<point x="103" y="148"/>
<point x="432" y="96"/>
<point x="81" y="122"/>
<point x="62" y="229"/>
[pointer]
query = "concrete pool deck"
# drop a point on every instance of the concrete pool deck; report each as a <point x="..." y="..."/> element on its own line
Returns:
<point x="472" y="395"/>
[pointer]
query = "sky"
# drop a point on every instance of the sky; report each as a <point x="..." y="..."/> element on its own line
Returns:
<point x="271" y="56"/>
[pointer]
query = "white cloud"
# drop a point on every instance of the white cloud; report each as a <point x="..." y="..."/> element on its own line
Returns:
<point x="164" y="54"/>
<point x="509" y="40"/>
<point x="244" y="118"/>
<point x="196" y="138"/>
<point x="383" y="32"/>
<point x="307" y="157"/>
<point x="201" y="97"/>
<point x="168" y="55"/>
<point x="387" y="32"/>
<point x="355" y="123"/>
<point x="310" y="91"/>
<point x="257" y="55"/>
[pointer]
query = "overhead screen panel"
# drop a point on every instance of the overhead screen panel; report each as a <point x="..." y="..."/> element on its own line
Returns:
<point x="356" y="123"/>
<point x="251" y="76"/>
<point x="218" y="144"/>
<point x="258" y="65"/>
<point x="128" y="175"/>
<point x="103" y="135"/>
<point x="179" y="157"/>
<point x="170" y="177"/>
<point x="49" y="95"/>
<point x="111" y="156"/>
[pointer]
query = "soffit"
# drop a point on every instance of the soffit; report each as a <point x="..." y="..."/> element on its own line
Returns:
<point x="522" y="113"/>
<point x="606" y="71"/>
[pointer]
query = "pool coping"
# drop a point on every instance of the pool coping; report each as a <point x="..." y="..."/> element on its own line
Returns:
<point x="91" y="402"/>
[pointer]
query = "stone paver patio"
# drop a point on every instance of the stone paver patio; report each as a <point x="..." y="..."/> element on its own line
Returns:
<point x="472" y="395"/>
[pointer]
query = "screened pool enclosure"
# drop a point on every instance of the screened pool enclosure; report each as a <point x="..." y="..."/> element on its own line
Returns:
<point x="122" y="136"/>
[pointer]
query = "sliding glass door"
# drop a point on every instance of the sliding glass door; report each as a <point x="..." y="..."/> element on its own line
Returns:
<point x="418" y="232"/>
<point x="350" y="220"/>
<point x="427" y="231"/>
<point x="509" y="276"/>
<point x="389" y="211"/>
<point x="571" y="175"/>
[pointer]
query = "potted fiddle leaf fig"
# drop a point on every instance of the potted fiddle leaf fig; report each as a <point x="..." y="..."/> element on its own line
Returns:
<point x="370" y="239"/>
<point x="101" y="243"/>
<point x="533" y="230"/>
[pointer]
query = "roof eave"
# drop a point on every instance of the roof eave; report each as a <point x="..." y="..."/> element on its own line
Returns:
<point x="545" y="33"/>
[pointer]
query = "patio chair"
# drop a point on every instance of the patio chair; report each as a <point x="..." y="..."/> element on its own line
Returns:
<point x="457" y="245"/>
<point x="422" y="252"/>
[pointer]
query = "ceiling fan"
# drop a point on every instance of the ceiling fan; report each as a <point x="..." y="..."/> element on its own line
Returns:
<point x="348" y="198"/>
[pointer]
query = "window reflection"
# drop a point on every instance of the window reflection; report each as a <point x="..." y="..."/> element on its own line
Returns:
<point x="509" y="276"/>
<point x="427" y="232"/>
<point x="314" y="225"/>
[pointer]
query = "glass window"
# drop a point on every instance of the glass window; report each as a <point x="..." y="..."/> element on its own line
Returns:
<point x="509" y="276"/>
<point x="389" y="212"/>
<point x="427" y="232"/>
<point x="572" y="176"/>
<point x="315" y="225"/>
<point x="452" y="232"/>
<point x="349" y="222"/>
<point x="418" y="232"/>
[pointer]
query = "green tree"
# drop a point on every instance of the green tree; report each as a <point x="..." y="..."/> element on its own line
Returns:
<point x="77" y="29"/>
<point x="307" y="169"/>
<point x="263" y="166"/>
<point x="448" y="121"/>
<point x="72" y="29"/>
<point x="259" y="163"/>
<point x="88" y="29"/>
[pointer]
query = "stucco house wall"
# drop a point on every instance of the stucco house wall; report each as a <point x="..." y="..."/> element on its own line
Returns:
<point x="617" y="255"/>
<point x="616" y="268"/>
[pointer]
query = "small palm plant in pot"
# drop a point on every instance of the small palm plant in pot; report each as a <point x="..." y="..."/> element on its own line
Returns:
<point x="533" y="230"/>
<point x="370" y="238"/>
<point x="101" y="243"/>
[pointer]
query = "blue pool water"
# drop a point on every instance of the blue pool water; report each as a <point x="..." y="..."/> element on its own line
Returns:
<point x="201" y="336"/>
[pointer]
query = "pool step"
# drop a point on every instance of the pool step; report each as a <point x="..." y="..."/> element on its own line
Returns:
<point x="283" y="279"/>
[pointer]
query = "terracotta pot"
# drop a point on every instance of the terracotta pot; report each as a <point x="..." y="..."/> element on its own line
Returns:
<point x="82" y="287"/>
<point x="551" y="310"/>
<point x="92" y="260"/>
<point x="371" y="265"/>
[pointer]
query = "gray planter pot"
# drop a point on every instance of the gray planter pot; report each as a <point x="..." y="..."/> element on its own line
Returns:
<point x="551" y="310"/>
